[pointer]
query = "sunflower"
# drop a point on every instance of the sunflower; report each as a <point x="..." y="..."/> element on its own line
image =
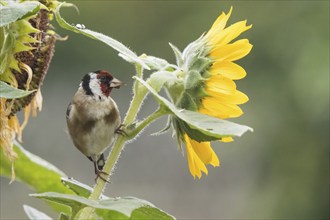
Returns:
<point x="209" y="88"/>
<point x="26" y="49"/>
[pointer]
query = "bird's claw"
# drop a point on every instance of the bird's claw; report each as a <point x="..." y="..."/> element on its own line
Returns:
<point x="99" y="175"/>
<point x="120" y="131"/>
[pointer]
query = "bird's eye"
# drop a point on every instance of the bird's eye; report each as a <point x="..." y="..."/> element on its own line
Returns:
<point x="104" y="79"/>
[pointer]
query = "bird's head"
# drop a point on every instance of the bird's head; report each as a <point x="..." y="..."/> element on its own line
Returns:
<point x="99" y="83"/>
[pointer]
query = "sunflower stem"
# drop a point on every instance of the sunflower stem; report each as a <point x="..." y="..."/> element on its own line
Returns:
<point x="157" y="114"/>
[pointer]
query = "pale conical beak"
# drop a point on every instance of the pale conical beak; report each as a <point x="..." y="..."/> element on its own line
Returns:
<point x="115" y="83"/>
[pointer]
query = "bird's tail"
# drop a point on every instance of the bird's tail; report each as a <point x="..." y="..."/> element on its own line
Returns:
<point x="99" y="164"/>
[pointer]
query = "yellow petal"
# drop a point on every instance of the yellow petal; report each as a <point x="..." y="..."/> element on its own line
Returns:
<point x="205" y="152"/>
<point x="221" y="84"/>
<point x="228" y="69"/>
<point x="227" y="139"/>
<point x="196" y="166"/>
<point x="237" y="97"/>
<point x="232" y="52"/>
<point x="230" y="33"/>
<point x="218" y="25"/>
<point x="211" y="106"/>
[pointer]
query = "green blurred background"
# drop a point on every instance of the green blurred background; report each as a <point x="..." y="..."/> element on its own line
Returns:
<point x="281" y="170"/>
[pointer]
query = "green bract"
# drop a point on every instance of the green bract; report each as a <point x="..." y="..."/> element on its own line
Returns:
<point x="186" y="90"/>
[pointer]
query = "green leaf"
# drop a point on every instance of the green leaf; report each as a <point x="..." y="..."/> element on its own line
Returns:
<point x="9" y="92"/>
<point x="34" y="214"/>
<point x="64" y="216"/>
<point x="74" y="202"/>
<point x="123" y="207"/>
<point x="106" y="214"/>
<point x="212" y="128"/>
<point x="79" y="188"/>
<point x="36" y="172"/>
<point x="7" y="40"/>
<point x="14" y="11"/>
<point x="143" y="213"/>
<point x="124" y="51"/>
<point x="149" y="213"/>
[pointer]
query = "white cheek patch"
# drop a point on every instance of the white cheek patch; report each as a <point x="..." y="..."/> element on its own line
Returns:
<point x="94" y="85"/>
